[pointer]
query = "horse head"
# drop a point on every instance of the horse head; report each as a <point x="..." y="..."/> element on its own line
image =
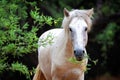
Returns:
<point x="77" y="24"/>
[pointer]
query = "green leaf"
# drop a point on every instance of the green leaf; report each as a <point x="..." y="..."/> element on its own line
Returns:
<point x="10" y="48"/>
<point x="3" y="64"/>
<point x="21" y="68"/>
<point x="73" y="60"/>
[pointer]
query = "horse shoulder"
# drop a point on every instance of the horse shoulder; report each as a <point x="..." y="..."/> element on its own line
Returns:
<point x="47" y="39"/>
<point x="44" y="50"/>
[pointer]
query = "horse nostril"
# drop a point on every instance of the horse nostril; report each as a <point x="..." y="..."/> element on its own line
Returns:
<point x="83" y="51"/>
<point x="79" y="51"/>
<point x="74" y="51"/>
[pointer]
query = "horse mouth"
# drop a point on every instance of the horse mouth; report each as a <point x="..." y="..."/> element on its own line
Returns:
<point x="79" y="58"/>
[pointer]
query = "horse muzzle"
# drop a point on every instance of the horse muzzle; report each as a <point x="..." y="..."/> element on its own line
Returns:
<point x="79" y="54"/>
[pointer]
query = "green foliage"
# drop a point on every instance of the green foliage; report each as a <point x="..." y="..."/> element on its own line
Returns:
<point x="73" y="60"/>
<point x="106" y="37"/>
<point x="3" y="65"/>
<point x="21" y="68"/>
<point x="17" y="36"/>
<point x="41" y="19"/>
<point x="88" y="67"/>
<point x="109" y="7"/>
<point x="15" y="39"/>
<point x="106" y="40"/>
<point x="46" y="41"/>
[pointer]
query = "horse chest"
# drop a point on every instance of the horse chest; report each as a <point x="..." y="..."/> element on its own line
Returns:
<point x="67" y="73"/>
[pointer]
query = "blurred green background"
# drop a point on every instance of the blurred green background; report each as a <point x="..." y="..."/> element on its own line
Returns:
<point x="23" y="21"/>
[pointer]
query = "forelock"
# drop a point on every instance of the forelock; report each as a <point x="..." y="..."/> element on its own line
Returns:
<point x="83" y="15"/>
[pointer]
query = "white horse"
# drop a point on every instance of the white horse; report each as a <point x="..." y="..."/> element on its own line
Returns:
<point x="68" y="42"/>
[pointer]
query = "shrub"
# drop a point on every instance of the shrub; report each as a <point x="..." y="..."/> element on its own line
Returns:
<point x="17" y="36"/>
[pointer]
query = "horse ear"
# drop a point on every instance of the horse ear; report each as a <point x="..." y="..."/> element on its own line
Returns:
<point x="66" y="12"/>
<point x="90" y="12"/>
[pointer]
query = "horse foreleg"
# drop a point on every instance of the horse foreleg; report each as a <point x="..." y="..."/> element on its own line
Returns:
<point x="38" y="74"/>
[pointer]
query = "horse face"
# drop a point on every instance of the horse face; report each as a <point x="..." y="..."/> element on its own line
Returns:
<point x="78" y="32"/>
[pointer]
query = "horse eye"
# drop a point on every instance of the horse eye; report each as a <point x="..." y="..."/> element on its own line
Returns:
<point x="70" y="29"/>
<point x="86" y="28"/>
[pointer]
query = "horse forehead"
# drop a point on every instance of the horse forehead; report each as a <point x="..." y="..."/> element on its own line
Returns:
<point x="78" y="22"/>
